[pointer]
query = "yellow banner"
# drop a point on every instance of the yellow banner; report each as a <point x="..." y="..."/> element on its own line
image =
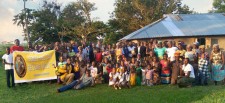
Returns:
<point x="34" y="66"/>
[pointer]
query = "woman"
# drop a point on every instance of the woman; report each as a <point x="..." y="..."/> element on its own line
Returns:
<point x="160" y="51"/>
<point x="187" y="75"/>
<point x="165" y="72"/>
<point x="181" y="51"/>
<point x="217" y="63"/>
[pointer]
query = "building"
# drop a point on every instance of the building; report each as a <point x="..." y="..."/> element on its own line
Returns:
<point x="207" y="29"/>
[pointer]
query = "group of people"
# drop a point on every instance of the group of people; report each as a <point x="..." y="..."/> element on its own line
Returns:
<point x="128" y="64"/>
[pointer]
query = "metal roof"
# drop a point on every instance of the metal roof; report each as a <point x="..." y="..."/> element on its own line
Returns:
<point x="182" y="25"/>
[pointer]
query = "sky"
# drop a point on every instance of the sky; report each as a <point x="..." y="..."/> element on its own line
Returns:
<point x="9" y="8"/>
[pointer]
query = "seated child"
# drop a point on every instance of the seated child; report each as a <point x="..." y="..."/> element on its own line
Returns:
<point x="113" y="78"/>
<point x="124" y="79"/>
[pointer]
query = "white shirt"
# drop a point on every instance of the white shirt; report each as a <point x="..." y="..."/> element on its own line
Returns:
<point x="8" y="59"/>
<point x="188" y="68"/>
<point x="190" y="55"/>
<point x="170" y="52"/>
<point x="114" y="77"/>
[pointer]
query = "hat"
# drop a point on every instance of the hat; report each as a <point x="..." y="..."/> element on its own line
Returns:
<point x="202" y="46"/>
<point x="177" y="53"/>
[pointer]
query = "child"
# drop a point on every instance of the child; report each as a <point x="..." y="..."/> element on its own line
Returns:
<point x="139" y="73"/>
<point x="156" y="76"/>
<point x="203" y="69"/>
<point x="118" y="68"/>
<point x="124" y="79"/>
<point x="94" y="71"/>
<point x="8" y="61"/>
<point x="149" y="75"/>
<point x="132" y="76"/>
<point x="113" y="78"/>
<point x="77" y="70"/>
<point x="61" y="65"/>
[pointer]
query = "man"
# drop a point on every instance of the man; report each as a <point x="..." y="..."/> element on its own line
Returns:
<point x="7" y="60"/>
<point x="143" y="50"/>
<point x="130" y="48"/>
<point x="85" y="81"/>
<point x="170" y="51"/>
<point x="189" y="75"/>
<point x="16" y="47"/>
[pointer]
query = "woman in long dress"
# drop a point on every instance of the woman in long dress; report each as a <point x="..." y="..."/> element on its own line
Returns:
<point x="217" y="64"/>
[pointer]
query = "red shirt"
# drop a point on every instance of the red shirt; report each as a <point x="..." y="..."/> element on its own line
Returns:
<point x="98" y="57"/>
<point x="16" y="48"/>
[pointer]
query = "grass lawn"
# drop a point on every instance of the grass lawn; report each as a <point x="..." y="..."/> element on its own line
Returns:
<point x="46" y="93"/>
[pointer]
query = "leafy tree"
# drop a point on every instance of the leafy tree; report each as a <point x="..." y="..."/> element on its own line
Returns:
<point x="219" y="6"/>
<point x="20" y="19"/>
<point x="135" y="14"/>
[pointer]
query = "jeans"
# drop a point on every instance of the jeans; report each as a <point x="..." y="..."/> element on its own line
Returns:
<point x="202" y="78"/>
<point x="69" y="86"/>
<point x="8" y="74"/>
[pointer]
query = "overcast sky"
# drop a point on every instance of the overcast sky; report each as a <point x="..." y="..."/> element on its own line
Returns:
<point x="9" y="8"/>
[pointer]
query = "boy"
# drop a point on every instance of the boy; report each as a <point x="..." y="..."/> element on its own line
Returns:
<point x="8" y="61"/>
<point x="203" y="69"/>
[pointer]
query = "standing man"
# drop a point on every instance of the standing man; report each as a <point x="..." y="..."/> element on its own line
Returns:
<point x="16" y="46"/>
<point x="8" y="61"/>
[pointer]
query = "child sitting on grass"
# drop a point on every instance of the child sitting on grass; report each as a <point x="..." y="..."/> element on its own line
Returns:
<point x="113" y="78"/>
<point x="124" y="79"/>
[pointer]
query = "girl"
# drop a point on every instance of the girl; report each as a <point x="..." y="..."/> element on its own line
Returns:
<point x="155" y="66"/>
<point x="132" y="76"/>
<point x="113" y="76"/>
<point x="149" y="75"/>
<point x="139" y="74"/>
<point x="124" y="79"/>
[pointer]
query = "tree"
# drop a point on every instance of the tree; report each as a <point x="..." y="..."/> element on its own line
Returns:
<point x="135" y="14"/>
<point x="219" y="6"/>
<point x="86" y="28"/>
<point x="20" y="19"/>
<point x="185" y="10"/>
<point x="45" y="23"/>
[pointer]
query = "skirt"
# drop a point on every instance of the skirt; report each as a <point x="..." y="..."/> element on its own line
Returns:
<point x="217" y="74"/>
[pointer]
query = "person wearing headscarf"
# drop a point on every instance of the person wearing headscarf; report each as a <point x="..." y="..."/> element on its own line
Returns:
<point x="217" y="64"/>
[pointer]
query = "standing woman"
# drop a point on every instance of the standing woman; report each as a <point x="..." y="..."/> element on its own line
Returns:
<point x="217" y="64"/>
<point x="165" y="72"/>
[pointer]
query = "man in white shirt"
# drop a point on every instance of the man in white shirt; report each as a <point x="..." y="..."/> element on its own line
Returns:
<point x="189" y="77"/>
<point x="170" y="51"/>
<point x="8" y="61"/>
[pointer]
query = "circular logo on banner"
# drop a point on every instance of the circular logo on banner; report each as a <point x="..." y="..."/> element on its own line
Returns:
<point x="20" y="66"/>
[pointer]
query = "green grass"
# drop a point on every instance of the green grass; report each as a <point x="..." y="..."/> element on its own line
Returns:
<point x="46" y="93"/>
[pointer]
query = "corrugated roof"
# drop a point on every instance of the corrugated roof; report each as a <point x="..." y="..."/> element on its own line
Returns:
<point x="182" y="25"/>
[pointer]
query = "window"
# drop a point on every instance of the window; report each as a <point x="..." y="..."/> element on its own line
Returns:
<point x="201" y="41"/>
